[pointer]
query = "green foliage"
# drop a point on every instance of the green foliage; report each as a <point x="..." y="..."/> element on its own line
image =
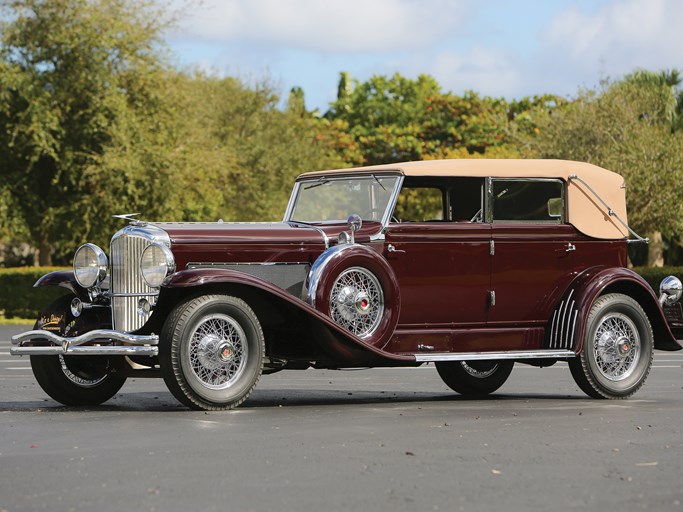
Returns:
<point x="624" y="127"/>
<point x="397" y="119"/>
<point x="654" y="275"/>
<point x="19" y="298"/>
<point x="78" y="84"/>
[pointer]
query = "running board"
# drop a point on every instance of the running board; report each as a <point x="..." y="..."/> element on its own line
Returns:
<point x="487" y="356"/>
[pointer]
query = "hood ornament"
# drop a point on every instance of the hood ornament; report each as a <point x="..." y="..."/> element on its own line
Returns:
<point x="129" y="217"/>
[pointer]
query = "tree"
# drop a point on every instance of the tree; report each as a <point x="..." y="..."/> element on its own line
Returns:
<point x="80" y="112"/>
<point x="625" y="126"/>
<point x="395" y="119"/>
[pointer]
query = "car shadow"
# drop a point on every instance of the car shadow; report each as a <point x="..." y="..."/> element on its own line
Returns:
<point x="290" y="398"/>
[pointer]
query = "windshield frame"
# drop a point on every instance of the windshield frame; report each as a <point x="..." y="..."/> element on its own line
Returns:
<point x="311" y="180"/>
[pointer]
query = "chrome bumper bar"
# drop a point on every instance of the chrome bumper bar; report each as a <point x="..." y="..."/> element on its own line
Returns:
<point x="137" y="344"/>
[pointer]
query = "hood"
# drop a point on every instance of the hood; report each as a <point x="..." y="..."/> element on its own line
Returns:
<point x="239" y="232"/>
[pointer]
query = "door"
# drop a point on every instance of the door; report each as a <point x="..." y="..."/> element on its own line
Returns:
<point x="532" y="250"/>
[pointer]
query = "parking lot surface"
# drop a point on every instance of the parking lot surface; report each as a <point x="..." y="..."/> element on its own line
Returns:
<point x="365" y="440"/>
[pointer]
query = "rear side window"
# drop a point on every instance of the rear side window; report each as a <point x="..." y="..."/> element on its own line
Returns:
<point x="526" y="200"/>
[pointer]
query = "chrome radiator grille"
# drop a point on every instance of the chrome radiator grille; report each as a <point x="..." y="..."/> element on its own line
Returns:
<point x="127" y="285"/>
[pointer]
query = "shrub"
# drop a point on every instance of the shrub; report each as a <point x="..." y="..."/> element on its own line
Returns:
<point x="654" y="275"/>
<point x="18" y="297"/>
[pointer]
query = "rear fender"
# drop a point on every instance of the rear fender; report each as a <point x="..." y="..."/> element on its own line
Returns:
<point x="568" y="322"/>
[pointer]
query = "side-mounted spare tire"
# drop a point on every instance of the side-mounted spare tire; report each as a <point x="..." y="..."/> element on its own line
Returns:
<point x="356" y="287"/>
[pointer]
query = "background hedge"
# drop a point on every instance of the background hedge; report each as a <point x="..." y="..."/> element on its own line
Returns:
<point x="18" y="297"/>
<point x="654" y="275"/>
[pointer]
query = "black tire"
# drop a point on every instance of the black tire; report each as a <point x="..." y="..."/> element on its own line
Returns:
<point x="76" y="380"/>
<point x="617" y="349"/>
<point x="474" y="378"/>
<point x="212" y="351"/>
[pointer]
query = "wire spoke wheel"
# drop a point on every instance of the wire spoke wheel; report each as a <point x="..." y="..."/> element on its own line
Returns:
<point x="357" y="301"/>
<point x="217" y="351"/>
<point x="211" y="352"/>
<point x="618" y="346"/>
<point x="86" y="372"/>
<point x="77" y="380"/>
<point x="474" y="378"/>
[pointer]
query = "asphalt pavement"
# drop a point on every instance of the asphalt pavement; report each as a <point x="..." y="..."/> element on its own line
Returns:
<point x="365" y="440"/>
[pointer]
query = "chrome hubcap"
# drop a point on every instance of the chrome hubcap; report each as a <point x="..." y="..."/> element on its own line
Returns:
<point x="616" y="346"/>
<point x="217" y="351"/>
<point x="357" y="301"/>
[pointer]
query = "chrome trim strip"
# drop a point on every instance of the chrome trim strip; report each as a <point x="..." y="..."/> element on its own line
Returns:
<point x="564" y="317"/>
<point x="222" y="264"/>
<point x="290" y="203"/>
<point x="553" y="328"/>
<point x="109" y="294"/>
<point x="484" y="356"/>
<point x="102" y="335"/>
<point x="570" y="340"/>
<point x="392" y="202"/>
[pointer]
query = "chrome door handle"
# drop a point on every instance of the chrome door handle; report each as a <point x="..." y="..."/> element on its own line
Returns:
<point x="393" y="249"/>
<point x="570" y="247"/>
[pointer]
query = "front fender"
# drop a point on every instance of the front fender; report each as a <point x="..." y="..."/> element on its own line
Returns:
<point x="65" y="279"/>
<point x="568" y="323"/>
<point x="344" y="347"/>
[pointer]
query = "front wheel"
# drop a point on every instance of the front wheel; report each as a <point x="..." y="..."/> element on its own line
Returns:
<point x="211" y="352"/>
<point x="77" y="380"/>
<point x="474" y="378"/>
<point x="617" y="349"/>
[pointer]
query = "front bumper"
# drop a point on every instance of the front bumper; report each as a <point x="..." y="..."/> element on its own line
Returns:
<point x="100" y="342"/>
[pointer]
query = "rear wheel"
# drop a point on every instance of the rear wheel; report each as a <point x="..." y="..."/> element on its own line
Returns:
<point x="212" y="352"/>
<point x="617" y="349"/>
<point x="474" y="378"/>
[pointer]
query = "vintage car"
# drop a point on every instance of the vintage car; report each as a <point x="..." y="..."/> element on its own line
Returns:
<point x="471" y="265"/>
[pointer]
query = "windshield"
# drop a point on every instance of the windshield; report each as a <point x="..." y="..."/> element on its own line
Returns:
<point x="332" y="200"/>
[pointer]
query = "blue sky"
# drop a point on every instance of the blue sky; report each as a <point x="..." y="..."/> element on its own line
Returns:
<point x="495" y="47"/>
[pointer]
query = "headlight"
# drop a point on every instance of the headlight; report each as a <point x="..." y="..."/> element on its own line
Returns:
<point x="670" y="290"/>
<point x="90" y="265"/>
<point x="156" y="263"/>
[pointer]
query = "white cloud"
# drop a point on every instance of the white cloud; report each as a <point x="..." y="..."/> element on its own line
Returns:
<point x="329" y="25"/>
<point x="622" y="35"/>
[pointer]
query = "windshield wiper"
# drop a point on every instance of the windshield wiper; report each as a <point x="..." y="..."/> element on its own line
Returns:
<point x="320" y="181"/>
<point x="378" y="182"/>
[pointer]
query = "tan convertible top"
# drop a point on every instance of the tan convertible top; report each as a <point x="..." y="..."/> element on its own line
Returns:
<point x="584" y="210"/>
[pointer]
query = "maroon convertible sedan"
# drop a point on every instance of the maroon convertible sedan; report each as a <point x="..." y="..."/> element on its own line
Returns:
<point x="473" y="265"/>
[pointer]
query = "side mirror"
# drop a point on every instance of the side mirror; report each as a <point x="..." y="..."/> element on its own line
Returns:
<point x="355" y="223"/>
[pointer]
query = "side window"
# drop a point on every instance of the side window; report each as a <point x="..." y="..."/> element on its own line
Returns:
<point x="419" y="204"/>
<point x="526" y="200"/>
